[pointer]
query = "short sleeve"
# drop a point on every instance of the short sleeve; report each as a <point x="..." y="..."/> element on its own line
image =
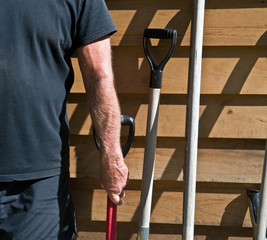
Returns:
<point x="93" y="23"/>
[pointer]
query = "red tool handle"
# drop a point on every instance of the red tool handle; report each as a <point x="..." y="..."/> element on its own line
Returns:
<point x="111" y="227"/>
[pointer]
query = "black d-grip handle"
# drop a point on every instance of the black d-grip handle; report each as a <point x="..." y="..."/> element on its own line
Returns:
<point x="156" y="70"/>
<point x="125" y="121"/>
<point x="128" y="121"/>
<point x="159" y="33"/>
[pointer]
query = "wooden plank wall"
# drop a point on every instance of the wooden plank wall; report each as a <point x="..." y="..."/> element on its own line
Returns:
<point x="233" y="120"/>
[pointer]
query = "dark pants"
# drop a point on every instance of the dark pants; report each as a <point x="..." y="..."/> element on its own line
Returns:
<point x="37" y="209"/>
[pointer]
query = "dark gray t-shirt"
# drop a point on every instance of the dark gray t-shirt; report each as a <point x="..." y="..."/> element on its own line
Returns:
<point x="37" y="38"/>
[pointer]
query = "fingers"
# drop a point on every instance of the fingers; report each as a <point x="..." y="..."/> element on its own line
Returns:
<point x="117" y="199"/>
<point x="114" y="178"/>
<point x="122" y="194"/>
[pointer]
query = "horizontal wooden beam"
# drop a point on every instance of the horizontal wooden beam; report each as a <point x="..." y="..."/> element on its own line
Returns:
<point x="219" y="160"/>
<point x="184" y="4"/>
<point x="220" y="116"/>
<point x="92" y="230"/>
<point x="216" y="204"/>
<point x="229" y="24"/>
<point x="225" y="70"/>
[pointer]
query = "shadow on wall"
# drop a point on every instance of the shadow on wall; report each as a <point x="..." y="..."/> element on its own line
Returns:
<point x="233" y="85"/>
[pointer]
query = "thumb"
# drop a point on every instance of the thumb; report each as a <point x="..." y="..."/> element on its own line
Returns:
<point x="116" y="199"/>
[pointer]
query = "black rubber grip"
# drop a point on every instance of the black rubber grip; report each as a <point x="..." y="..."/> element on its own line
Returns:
<point x="128" y="121"/>
<point x="159" y="33"/>
<point x="125" y="121"/>
<point x="156" y="69"/>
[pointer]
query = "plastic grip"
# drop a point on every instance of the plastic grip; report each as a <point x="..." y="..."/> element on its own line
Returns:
<point x="160" y="33"/>
<point x="128" y="121"/>
<point x="156" y="69"/>
<point x="155" y="79"/>
<point x="125" y="121"/>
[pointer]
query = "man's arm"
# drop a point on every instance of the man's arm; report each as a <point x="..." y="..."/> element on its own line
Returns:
<point x="96" y="67"/>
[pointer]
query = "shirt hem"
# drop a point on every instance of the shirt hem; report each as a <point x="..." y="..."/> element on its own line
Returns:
<point x="31" y="176"/>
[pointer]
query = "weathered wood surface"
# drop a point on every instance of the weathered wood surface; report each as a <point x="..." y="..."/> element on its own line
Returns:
<point x="242" y="23"/>
<point x="220" y="116"/>
<point x="233" y="120"/>
<point x="225" y="70"/>
<point x="216" y="204"/>
<point x="219" y="160"/>
<point x="91" y="230"/>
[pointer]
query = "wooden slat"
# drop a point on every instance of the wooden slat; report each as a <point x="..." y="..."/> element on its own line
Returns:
<point x="225" y="70"/>
<point x="216" y="204"/>
<point x="184" y="4"/>
<point x="220" y="116"/>
<point x="229" y="161"/>
<point x="228" y="26"/>
<point x="92" y="230"/>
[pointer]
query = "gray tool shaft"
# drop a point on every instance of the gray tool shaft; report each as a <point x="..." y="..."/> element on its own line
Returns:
<point x="193" y="118"/>
<point x="149" y="163"/>
<point x="262" y="211"/>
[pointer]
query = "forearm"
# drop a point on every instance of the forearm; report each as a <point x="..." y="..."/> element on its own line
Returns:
<point x="96" y="67"/>
<point x="105" y="113"/>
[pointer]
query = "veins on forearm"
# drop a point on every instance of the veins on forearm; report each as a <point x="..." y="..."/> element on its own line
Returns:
<point x="105" y="113"/>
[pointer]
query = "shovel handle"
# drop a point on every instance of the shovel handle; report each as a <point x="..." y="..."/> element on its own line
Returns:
<point x="156" y="70"/>
<point x="111" y="225"/>
<point x="125" y="121"/>
<point x="111" y="222"/>
<point x="128" y="121"/>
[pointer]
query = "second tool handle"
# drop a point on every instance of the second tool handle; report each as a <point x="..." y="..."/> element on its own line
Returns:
<point x="125" y="121"/>
<point x="156" y="70"/>
<point x="159" y="33"/>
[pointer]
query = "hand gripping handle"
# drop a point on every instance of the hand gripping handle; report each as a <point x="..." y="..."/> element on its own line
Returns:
<point x="111" y="226"/>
